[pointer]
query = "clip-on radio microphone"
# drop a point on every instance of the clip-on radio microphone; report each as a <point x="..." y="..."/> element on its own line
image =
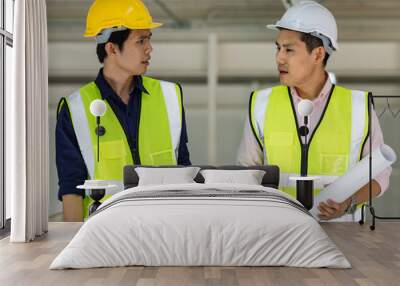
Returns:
<point x="304" y="184"/>
<point x="98" y="109"/>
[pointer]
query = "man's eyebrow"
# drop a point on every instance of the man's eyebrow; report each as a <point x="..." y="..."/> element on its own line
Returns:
<point x="147" y="36"/>
<point x="284" y="45"/>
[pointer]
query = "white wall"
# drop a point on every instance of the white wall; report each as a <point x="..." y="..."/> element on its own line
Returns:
<point x="235" y="59"/>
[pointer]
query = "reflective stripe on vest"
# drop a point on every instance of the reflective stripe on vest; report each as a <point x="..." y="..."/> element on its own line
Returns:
<point x="174" y="108"/>
<point x="346" y="115"/>
<point x="258" y="108"/>
<point x="359" y="125"/>
<point x="81" y="128"/>
<point x="159" y="129"/>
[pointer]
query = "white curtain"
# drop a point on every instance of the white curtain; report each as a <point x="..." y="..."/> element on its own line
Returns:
<point x="27" y="137"/>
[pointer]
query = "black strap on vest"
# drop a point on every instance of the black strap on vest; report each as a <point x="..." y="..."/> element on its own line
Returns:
<point x="304" y="148"/>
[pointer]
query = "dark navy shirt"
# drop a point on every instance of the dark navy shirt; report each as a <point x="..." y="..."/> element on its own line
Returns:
<point x="71" y="167"/>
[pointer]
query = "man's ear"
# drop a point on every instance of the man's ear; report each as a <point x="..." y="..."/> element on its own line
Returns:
<point x="319" y="54"/>
<point x="110" y="49"/>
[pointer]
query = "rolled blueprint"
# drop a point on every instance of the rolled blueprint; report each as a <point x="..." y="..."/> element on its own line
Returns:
<point x="345" y="186"/>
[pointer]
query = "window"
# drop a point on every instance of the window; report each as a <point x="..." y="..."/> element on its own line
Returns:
<point x="8" y="74"/>
<point x="6" y="44"/>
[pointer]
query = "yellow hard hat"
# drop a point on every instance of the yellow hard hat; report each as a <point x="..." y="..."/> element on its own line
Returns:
<point x="118" y="14"/>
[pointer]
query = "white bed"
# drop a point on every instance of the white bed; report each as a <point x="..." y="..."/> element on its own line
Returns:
<point x="203" y="225"/>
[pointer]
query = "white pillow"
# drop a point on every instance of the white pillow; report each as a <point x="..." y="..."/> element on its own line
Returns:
<point x="165" y="176"/>
<point x="248" y="177"/>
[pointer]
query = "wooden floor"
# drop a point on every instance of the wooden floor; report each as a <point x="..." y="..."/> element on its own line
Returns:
<point x="374" y="255"/>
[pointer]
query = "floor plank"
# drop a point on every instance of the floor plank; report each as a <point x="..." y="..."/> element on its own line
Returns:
<point x="374" y="255"/>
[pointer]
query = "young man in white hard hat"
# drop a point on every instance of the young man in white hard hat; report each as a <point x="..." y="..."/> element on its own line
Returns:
<point x="338" y="125"/>
<point x="144" y="121"/>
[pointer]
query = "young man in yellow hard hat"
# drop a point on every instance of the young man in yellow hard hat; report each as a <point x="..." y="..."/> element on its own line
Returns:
<point x="338" y="137"/>
<point x="144" y="121"/>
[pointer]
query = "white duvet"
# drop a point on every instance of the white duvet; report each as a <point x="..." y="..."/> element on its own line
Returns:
<point x="225" y="225"/>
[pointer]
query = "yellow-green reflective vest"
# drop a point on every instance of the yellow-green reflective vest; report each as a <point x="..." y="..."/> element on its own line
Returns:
<point x="158" y="138"/>
<point x="335" y="145"/>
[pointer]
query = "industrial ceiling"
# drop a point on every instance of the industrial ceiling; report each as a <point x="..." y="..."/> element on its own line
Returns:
<point x="363" y="20"/>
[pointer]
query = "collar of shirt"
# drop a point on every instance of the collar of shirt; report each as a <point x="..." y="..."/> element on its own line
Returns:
<point x="108" y="93"/>
<point x="324" y="93"/>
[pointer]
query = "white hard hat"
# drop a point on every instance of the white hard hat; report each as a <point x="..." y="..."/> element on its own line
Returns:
<point x="312" y="18"/>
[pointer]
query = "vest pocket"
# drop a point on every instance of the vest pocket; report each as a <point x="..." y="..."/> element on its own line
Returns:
<point x="111" y="149"/>
<point x="162" y="157"/>
<point x="113" y="158"/>
<point x="334" y="165"/>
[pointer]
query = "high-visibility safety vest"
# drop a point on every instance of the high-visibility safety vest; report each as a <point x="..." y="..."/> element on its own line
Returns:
<point x="334" y="146"/>
<point x="160" y="124"/>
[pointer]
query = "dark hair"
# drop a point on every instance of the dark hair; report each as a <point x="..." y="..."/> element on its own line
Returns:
<point x="313" y="42"/>
<point x="118" y="38"/>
